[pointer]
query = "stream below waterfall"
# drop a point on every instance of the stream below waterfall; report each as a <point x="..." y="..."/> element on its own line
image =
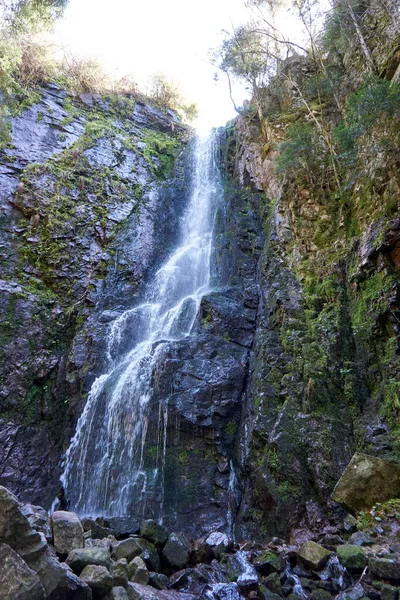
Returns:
<point x="104" y="471"/>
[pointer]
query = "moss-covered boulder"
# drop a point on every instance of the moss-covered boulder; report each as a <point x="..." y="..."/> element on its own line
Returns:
<point x="267" y="563"/>
<point x="320" y="595"/>
<point x="367" y="480"/>
<point x="273" y="583"/>
<point x="79" y="558"/>
<point x="313" y="555"/>
<point x="384" y="568"/>
<point x="352" y="557"/>
<point x="153" y="532"/>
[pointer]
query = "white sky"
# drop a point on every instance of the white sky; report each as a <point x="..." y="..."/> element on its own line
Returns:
<point x="143" y="37"/>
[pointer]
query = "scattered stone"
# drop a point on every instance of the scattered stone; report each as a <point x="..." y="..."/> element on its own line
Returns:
<point x="385" y="568"/>
<point x="98" y="578"/>
<point x="158" y="580"/>
<point x="149" y="554"/>
<point x="273" y="583"/>
<point x="355" y="593"/>
<point x="51" y="573"/>
<point x="67" y="531"/>
<point x="219" y="543"/>
<point x="79" y="558"/>
<point x="97" y="531"/>
<point x="181" y="579"/>
<point x="122" y="526"/>
<point x="201" y="552"/>
<point x="127" y="549"/>
<point x="176" y="550"/>
<point x="137" y="591"/>
<point x="15" y="528"/>
<point x="300" y="569"/>
<point x="17" y="580"/>
<point x="120" y="572"/>
<point x="269" y="562"/>
<point x="76" y="588"/>
<point x="38" y="519"/>
<point x="226" y="591"/>
<point x="36" y="545"/>
<point x="386" y="591"/>
<point x="320" y="595"/>
<point x="352" y="557"/>
<point x="360" y="538"/>
<point x="266" y="594"/>
<point x="331" y="540"/>
<point x="313" y="555"/>
<point x="350" y="524"/>
<point x="137" y="571"/>
<point x="152" y="531"/>
<point x="105" y="543"/>
<point x="117" y="593"/>
<point x="367" y="480"/>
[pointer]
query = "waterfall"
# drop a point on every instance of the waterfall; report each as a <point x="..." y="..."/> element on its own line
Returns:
<point x="104" y="470"/>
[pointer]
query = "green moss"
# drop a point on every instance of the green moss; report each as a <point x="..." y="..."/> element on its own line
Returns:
<point x="160" y="151"/>
<point x="230" y="428"/>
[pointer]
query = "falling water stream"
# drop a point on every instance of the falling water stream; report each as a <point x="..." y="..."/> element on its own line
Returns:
<point x="104" y="470"/>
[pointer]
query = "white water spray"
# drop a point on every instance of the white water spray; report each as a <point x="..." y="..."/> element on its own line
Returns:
<point x="104" y="470"/>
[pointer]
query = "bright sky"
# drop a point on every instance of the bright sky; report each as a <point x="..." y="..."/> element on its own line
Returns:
<point x="143" y="37"/>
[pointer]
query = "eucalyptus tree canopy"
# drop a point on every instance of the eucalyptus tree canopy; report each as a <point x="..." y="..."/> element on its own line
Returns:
<point x="31" y="14"/>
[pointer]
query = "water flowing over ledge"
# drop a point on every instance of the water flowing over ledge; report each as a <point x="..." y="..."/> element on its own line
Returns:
<point x="104" y="470"/>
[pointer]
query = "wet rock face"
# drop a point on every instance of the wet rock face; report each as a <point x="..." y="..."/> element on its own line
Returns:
<point x="87" y="209"/>
<point x="198" y="385"/>
<point x="295" y="436"/>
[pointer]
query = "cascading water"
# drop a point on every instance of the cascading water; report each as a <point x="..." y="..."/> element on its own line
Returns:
<point x="104" y="466"/>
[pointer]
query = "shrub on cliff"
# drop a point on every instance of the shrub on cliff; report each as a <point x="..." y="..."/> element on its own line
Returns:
<point x="371" y="125"/>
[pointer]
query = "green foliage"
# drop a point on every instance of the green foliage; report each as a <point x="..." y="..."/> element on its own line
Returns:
<point x="371" y="302"/>
<point x="5" y="127"/>
<point x="371" y="124"/>
<point x="31" y="15"/>
<point x="82" y="75"/>
<point x="24" y="61"/>
<point x="230" y="428"/>
<point x="378" y="513"/>
<point x="243" y="54"/>
<point x="300" y="152"/>
<point x="161" y="151"/>
<point x="339" y="31"/>
<point x="166" y="94"/>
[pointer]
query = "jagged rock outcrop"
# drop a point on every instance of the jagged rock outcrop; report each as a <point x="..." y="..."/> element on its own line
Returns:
<point x="86" y="211"/>
<point x="324" y="369"/>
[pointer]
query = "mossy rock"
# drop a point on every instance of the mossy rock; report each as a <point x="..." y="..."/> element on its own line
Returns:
<point x="367" y="480"/>
<point x="313" y="555"/>
<point x="273" y="583"/>
<point x="386" y="591"/>
<point x="268" y="563"/>
<point x="352" y="557"/>
<point x="384" y="568"/>
<point x="266" y="594"/>
<point x="320" y="595"/>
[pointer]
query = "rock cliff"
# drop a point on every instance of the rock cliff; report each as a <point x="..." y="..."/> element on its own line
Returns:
<point x="90" y="190"/>
<point x="292" y="364"/>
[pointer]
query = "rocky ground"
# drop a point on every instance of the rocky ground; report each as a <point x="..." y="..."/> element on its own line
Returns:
<point x="65" y="557"/>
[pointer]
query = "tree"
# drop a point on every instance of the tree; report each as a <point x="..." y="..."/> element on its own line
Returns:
<point x="246" y="54"/>
<point x="31" y="14"/>
<point x="344" y="25"/>
<point x="166" y="92"/>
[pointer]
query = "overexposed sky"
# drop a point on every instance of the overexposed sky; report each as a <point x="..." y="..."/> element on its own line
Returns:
<point x="143" y="37"/>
